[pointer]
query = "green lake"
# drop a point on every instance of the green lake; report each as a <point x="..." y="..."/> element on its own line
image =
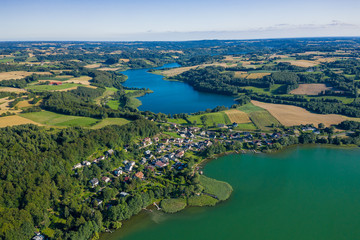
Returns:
<point x="298" y="194"/>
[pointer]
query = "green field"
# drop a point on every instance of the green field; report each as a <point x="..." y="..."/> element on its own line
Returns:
<point x="259" y="116"/>
<point x="212" y="119"/>
<point x="201" y="201"/>
<point x="108" y="92"/>
<point x="177" y="120"/>
<point x="113" y="104"/>
<point x="52" y="87"/>
<point x="263" y="120"/>
<point x="59" y="120"/>
<point x="220" y="189"/>
<point x="173" y="205"/>
<point x="110" y="121"/>
<point x="249" y="108"/>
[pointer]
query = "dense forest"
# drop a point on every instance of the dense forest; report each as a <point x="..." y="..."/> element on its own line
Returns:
<point x="37" y="180"/>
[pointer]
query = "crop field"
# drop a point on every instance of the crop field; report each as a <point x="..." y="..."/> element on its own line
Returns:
<point x="80" y="80"/>
<point x="59" y="120"/>
<point x="62" y="87"/>
<point x="24" y="104"/>
<point x="257" y="75"/>
<point x="10" y="89"/>
<point x="95" y="65"/>
<point x="291" y="115"/>
<point x="212" y="119"/>
<point x="19" y="74"/>
<point x="237" y="116"/>
<point x="246" y="126"/>
<point x="259" y="116"/>
<point x="110" y="121"/>
<point x="15" y="120"/>
<point x="310" y="89"/>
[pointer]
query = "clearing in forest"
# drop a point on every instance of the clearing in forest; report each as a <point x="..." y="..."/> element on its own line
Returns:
<point x="237" y="116"/>
<point x="310" y="89"/>
<point x="289" y="115"/>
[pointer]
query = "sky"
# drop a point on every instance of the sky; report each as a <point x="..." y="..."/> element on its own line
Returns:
<point x="175" y="20"/>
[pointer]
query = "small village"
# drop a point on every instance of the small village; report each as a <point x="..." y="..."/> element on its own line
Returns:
<point x="163" y="153"/>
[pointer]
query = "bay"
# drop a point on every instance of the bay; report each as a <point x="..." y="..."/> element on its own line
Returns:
<point x="300" y="193"/>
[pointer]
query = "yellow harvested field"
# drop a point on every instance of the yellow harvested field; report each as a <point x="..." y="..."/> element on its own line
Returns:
<point x="15" y="120"/>
<point x="95" y="65"/>
<point x="82" y="80"/>
<point x="301" y="63"/>
<point x="19" y="74"/>
<point x="237" y="116"/>
<point x="124" y="60"/>
<point x="257" y="75"/>
<point x="10" y="89"/>
<point x="176" y="71"/>
<point x="116" y="52"/>
<point x="240" y="74"/>
<point x="289" y="115"/>
<point x="23" y="104"/>
<point x="310" y="89"/>
<point x="108" y="69"/>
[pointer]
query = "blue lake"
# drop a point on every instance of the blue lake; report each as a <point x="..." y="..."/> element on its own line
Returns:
<point x="172" y="97"/>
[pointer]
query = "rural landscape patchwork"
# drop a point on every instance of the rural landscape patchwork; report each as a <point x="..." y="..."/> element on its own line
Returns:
<point x="170" y="139"/>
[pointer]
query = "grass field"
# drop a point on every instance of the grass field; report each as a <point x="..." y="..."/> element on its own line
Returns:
<point x="108" y="92"/>
<point x="310" y="89"/>
<point x="173" y="205"/>
<point x="177" y="121"/>
<point x="220" y="189"/>
<point x="289" y="115"/>
<point x="201" y="201"/>
<point x="263" y="120"/>
<point x="110" y="121"/>
<point x="259" y="116"/>
<point x="15" y="120"/>
<point x="212" y="119"/>
<point x="59" y="120"/>
<point x="65" y="86"/>
<point x="237" y="116"/>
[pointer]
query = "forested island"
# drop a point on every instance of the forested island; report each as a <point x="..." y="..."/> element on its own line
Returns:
<point x="78" y="158"/>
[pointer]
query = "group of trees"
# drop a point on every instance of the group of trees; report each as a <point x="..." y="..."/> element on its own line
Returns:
<point x="36" y="180"/>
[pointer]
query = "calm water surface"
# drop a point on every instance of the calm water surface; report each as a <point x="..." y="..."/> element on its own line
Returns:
<point x="172" y="96"/>
<point x="299" y="194"/>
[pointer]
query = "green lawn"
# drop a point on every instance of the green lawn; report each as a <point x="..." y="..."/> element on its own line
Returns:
<point x="110" y="121"/>
<point x="173" y="205"/>
<point x="172" y="134"/>
<point x="59" y="120"/>
<point x="52" y="87"/>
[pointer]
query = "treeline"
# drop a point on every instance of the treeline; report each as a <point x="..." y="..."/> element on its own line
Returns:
<point x="321" y="105"/>
<point x="74" y="103"/>
<point x="37" y="183"/>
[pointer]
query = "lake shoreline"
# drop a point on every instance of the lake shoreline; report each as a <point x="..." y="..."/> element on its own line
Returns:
<point x="202" y="164"/>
